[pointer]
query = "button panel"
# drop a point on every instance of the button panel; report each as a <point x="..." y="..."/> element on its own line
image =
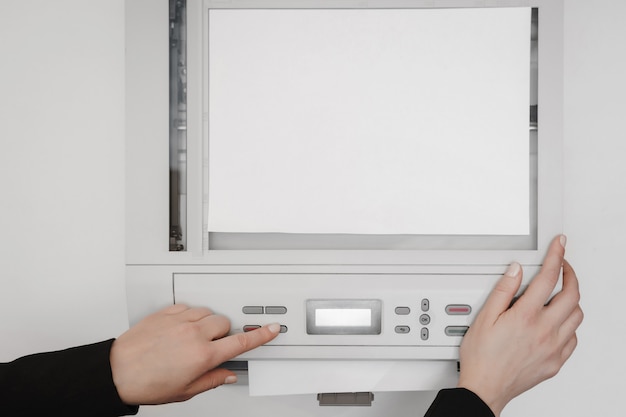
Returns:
<point x="423" y="319"/>
<point x="406" y="313"/>
<point x="264" y="310"/>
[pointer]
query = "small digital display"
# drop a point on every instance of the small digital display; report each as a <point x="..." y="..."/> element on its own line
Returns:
<point x="344" y="317"/>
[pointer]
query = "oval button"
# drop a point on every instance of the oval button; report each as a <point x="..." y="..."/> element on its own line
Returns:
<point x="252" y="310"/>
<point x="456" y="330"/>
<point x="403" y="329"/>
<point x="403" y="311"/>
<point x="458" y="309"/>
<point x="275" y="310"/>
<point x="250" y="327"/>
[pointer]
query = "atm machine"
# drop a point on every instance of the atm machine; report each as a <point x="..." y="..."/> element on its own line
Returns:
<point x="361" y="172"/>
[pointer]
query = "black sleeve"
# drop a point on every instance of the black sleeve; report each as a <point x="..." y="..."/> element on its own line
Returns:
<point x="71" y="382"/>
<point x="458" y="402"/>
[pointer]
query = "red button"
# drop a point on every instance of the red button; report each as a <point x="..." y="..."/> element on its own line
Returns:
<point x="250" y="327"/>
<point x="458" y="309"/>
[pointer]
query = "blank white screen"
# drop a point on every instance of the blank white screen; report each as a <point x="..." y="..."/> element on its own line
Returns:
<point x="343" y="317"/>
<point x="369" y="121"/>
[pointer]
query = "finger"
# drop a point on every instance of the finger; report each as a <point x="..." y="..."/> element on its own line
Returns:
<point x="228" y="347"/>
<point x="175" y="309"/>
<point x="543" y="284"/>
<point x="570" y="280"/>
<point x="501" y="296"/>
<point x="214" y="326"/>
<point x="212" y="379"/>
<point x="196" y="313"/>
<point x="569" y="348"/>
<point x="571" y="324"/>
<point x="566" y="301"/>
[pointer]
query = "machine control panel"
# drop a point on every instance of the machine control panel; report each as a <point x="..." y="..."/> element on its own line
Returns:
<point x="350" y="310"/>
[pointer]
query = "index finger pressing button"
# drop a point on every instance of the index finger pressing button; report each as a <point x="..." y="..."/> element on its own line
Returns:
<point x="250" y="327"/>
<point x="229" y="347"/>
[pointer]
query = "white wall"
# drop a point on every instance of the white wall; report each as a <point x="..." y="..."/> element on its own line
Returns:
<point x="61" y="204"/>
<point x="61" y="173"/>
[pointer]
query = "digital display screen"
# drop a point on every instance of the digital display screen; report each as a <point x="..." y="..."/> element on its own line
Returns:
<point x="344" y="317"/>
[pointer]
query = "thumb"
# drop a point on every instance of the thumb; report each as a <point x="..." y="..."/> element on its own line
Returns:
<point x="501" y="296"/>
<point x="212" y="379"/>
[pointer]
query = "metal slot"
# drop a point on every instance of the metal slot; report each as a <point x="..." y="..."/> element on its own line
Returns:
<point x="360" y="399"/>
<point x="178" y="125"/>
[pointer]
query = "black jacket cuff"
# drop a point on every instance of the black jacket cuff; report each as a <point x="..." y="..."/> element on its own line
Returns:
<point x="458" y="402"/>
<point x="72" y="382"/>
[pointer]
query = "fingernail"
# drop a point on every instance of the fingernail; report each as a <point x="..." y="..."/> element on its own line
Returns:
<point x="231" y="379"/>
<point x="513" y="270"/>
<point x="563" y="240"/>
<point x="274" y="328"/>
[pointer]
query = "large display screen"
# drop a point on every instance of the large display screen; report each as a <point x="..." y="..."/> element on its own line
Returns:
<point x="343" y="317"/>
<point x="337" y="317"/>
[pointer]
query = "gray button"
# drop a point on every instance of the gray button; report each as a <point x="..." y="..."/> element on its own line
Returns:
<point x="283" y="328"/>
<point x="275" y="310"/>
<point x="456" y="330"/>
<point x="403" y="329"/>
<point x="252" y="310"/>
<point x="424" y="333"/>
<point x="425" y="304"/>
<point x="403" y="311"/>
<point x="424" y="319"/>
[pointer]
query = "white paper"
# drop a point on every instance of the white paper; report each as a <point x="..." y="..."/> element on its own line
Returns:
<point x="289" y="377"/>
<point x="369" y="121"/>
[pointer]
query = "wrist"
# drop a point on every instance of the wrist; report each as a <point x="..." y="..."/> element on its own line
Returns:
<point x="491" y="400"/>
<point x="117" y="374"/>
